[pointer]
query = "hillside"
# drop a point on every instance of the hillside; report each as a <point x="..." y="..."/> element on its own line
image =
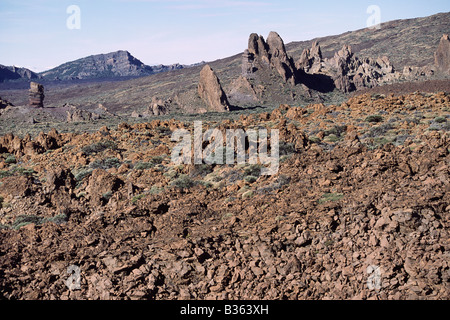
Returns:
<point x="110" y="65"/>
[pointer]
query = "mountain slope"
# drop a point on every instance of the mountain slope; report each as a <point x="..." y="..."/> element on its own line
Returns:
<point x="115" y="64"/>
<point x="14" y="73"/>
<point x="410" y="42"/>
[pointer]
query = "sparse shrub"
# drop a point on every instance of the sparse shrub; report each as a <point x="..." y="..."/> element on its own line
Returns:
<point x="252" y="170"/>
<point x="5" y="173"/>
<point x="81" y="174"/>
<point x="183" y="182"/>
<point x="378" y="131"/>
<point x="143" y="165"/>
<point x="286" y="148"/>
<point x="135" y="199"/>
<point x="250" y="179"/>
<point x="376" y="118"/>
<point x="201" y="170"/>
<point x="105" y="164"/>
<point x="330" y="197"/>
<point x="331" y="138"/>
<point x="99" y="147"/>
<point x="440" y="119"/>
<point x="156" y="190"/>
<point x="10" y="159"/>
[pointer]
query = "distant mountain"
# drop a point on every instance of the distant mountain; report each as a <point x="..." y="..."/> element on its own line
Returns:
<point x="111" y="65"/>
<point x="8" y="73"/>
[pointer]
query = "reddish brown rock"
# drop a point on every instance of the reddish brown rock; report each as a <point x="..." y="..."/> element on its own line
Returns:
<point x="36" y="94"/>
<point x="211" y="92"/>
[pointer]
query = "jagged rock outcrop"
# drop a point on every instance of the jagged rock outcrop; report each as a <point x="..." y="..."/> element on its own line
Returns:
<point x="347" y="71"/>
<point x="158" y="107"/>
<point x="272" y="53"/>
<point x="311" y="59"/>
<point x="247" y="63"/>
<point x="211" y="92"/>
<point x="442" y="55"/>
<point x="36" y="94"/>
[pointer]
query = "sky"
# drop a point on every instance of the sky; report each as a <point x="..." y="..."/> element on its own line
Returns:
<point x="42" y="34"/>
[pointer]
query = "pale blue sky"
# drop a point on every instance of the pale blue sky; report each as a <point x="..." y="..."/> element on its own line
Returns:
<point x="33" y="33"/>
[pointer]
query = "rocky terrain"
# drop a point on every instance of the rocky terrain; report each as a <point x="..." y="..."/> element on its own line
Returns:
<point x="362" y="186"/>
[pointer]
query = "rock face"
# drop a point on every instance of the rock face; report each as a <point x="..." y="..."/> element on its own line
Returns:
<point x="442" y="55"/>
<point x="115" y="64"/>
<point x="36" y="94"/>
<point x="15" y="73"/>
<point x="311" y="59"/>
<point x="158" y="107"/>
<point x="272" y="53"/>
<point x="347" y="71"/>
<point x="247" y="63"/>
<point x="211" y="92"/>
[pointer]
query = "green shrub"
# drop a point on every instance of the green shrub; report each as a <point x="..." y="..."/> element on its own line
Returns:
<point x="376" y="118"/>
<point x="105" y="164"/>
<point x="252" y="170"/>
<point x="99" y="147"/>
<point x="250" y="179"/>
<point x="331" y="197"/>
<point x="10" y="159"/>
<point x="135" y="199"/>
<point x="82" y="173"/>
<point x="143" y="165"/>
<point x="183" y="182"/>
<point x="440" y="120"/>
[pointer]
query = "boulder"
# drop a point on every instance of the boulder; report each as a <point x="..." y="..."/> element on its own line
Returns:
<point x="211" y="92"/>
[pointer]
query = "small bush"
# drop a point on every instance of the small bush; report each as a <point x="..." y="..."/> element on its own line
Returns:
<point x="83" y="173"/>
<point x="331" y="197"/>
<point x="183" y="182"/>
<point x="99" y="147"/>
<point x="376" y="118"/>
<point x="135" y="199"/>
<point x="440" y="120"/>
<point x="250" y="179"/>
<point x="252" y="170"/>
<point x="143" y="165"/>
<point x="10" y="159"/>
<point x="105" y="164"/>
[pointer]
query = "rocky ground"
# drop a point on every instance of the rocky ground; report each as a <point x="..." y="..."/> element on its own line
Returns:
<point x="362" y="186"/>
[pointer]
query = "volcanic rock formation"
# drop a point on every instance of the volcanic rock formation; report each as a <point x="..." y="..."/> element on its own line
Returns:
<point x="442" y="55"/>
<point x="273" y="53"/>
<point x="211" y="92"/>
<point x="36" y="94"/>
